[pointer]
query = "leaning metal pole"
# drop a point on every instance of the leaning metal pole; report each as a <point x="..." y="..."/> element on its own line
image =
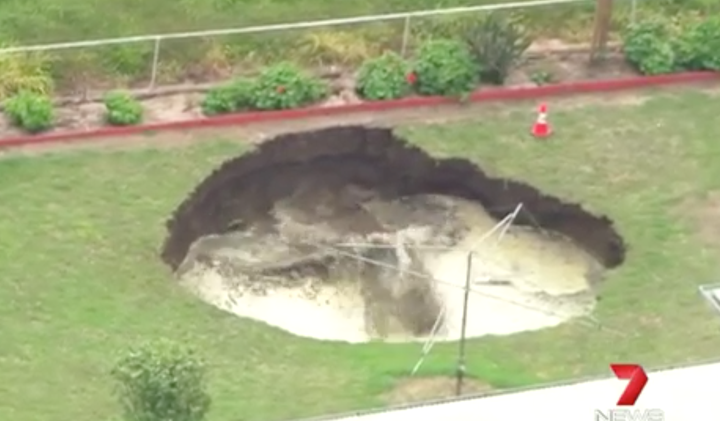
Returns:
<point x="503" y="226"/>
<point x="461" y="369"/>
<point x="427" y="347"/>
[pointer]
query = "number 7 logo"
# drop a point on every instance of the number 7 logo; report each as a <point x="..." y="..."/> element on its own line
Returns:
<point x="638" y="380"/>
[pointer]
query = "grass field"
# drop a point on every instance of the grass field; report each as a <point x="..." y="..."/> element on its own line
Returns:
<point x="65" y="20"/>
<point x="80" y="230"/>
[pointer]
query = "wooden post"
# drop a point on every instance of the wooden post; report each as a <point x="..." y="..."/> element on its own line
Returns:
<point x="603" y="20"/>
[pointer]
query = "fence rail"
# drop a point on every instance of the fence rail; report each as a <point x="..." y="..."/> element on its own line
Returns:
<point x="157" y="39"/>
<point x="286" y="26"/>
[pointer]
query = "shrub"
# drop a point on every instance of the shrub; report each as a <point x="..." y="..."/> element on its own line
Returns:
<point x="541" y="77"/>
<point x="24" y="72"/>
<point x="497" y="44"/>
<point x="232" y="97"/>
<point x="385" y="77"/>
<point x="336" y="47"/>
<point x="30" y="111"/>
<point x="648" y="48"/>
<point x="698" y="45"/>
<point x="161" y="381"/>
<point x="121" y="109"/>
<point x="445" y="67"/>
<point x="285" y="86"/>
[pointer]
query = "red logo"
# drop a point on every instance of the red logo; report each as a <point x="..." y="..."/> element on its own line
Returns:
<point x="638" y="380"/>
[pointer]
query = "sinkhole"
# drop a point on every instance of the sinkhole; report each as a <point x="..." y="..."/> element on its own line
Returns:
<point x="352" y="234"/>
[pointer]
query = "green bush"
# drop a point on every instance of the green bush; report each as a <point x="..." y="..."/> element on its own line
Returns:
<point x="445" y="67"/>
<point x="121" y="109"/>
<point x="698" y="45"/>
<point x="24" y="72"/>
<point x="30" y="111"/>
<point x="229" y="98"/>
<point x="648" y="47"/>
<point x="497" y="44"/>
<point x="385" y="77"/>
<point x="285" y="86"/>
<point x="161" y="381"/>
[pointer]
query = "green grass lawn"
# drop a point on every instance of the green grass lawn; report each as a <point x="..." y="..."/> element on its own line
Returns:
<point x="80" y="232"/>
<point x="68" y="20"/>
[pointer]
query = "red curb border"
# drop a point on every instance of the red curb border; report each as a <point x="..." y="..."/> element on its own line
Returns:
<point x="482" y="95"/>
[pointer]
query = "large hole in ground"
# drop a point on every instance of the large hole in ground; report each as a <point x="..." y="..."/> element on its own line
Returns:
<point x="350" y="233"/>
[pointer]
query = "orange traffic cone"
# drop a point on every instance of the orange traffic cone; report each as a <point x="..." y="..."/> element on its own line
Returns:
<point x="541" y="128"/>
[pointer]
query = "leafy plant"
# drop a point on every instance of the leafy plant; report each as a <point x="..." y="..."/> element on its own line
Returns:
<point x="385" y="77"/>
<point x="336" y="47"/>
<point x="121" y="109"/>
<point x="161" y="381"/>
<point x="232" y="97"/>
<point x="541" y="77"/>
<point x="698" y="45"/>
<point x="285" y="86"/>
<point x="497" y="44"/>
<point x="445" y="67"/>
<point x="30" y="111"/>
<point x="648" y="47"/>
<point x="24" y="72"/>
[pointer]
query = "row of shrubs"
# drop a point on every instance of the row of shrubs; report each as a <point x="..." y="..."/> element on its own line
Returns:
<point x="662" y="46"/>
<point x="441" y="67"/>
<point x="484" y="51"/>
<point x="34" y="112"/>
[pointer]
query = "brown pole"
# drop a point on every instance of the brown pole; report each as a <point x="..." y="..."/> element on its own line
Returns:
<point x="601" y="33"/>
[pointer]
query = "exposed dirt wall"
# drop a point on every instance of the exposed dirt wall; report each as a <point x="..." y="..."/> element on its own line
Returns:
<point x="246" y="188"/>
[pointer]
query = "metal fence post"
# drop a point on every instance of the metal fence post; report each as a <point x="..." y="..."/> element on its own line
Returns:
<point x="406" y="37"/>
<point x="156" y="58"/>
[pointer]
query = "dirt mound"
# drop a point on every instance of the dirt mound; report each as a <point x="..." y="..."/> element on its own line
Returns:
<point x="336" y="168"/>
<point x="422" y="389"/>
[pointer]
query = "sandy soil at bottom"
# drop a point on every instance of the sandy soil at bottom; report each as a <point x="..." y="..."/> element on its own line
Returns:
<point x="526" y="281"/>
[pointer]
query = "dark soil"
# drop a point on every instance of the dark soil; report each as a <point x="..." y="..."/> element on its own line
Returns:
<point x="248" y="187"/>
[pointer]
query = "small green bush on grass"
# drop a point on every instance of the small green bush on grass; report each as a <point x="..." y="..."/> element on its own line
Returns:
<point x="445" y="67"/>
<point x="162" y="381"/>
<point x="228" y="98"/>
<point x="385" y="77"/>
<point x="284" y="86"/>
<point x="121" y="109"/>
<point x="647" y="46"/>
<point x="31" y="111"/>
<point x="698" y="45"/>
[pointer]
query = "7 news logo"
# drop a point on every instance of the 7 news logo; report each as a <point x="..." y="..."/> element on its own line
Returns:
<point x="637" y="381"/>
